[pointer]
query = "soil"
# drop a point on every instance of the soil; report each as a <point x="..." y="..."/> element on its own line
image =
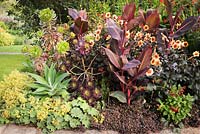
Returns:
<point x="139" y="118"/>
<point x="194" y="120"/>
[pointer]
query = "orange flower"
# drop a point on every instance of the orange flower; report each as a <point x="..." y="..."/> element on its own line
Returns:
<point x="157" y="63"/>
<point x="145" y="27"/>
<point x="114" y="17"/>
<point x="91" y="43"/>
<point x="196" y="53"/>
<point x="99" y="27"/>
<point x="153" y="61"/>
<point x="175" y="46"/>
<point x="121" y="22"/>
<point x="98" y="32"/>
<point x="127" y="34"/>
<point x="108" y="15"/>
<point x="148" y="35"/>
<point x="108" y="37"/>
<point x="185" y="44"/>
<point x="140" y="43"/>
<point x="97" y="38"/>
<point x="153" y="39"/>
<point x="149" y="72"/>
<point x="155" y="56"/>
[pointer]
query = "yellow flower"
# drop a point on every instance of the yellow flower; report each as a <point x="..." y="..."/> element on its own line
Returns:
<point x="42" y="114"/>
<point x="55" y="122"/>
<point x="6" y="114"/>
<point x="149" y="72"/>
<point x="196" y="53"/>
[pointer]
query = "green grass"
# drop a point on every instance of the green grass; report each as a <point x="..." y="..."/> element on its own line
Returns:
<point x="8" y="63"/>
<point x="11" y="49"/>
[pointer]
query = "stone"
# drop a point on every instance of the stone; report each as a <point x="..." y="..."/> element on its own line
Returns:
<point x="14" y="129"/>
<point x="2" y="128"/>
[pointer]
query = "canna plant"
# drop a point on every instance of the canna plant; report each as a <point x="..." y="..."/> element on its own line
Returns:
<point x="177" y="27"/>
<point x="127" y="69"/>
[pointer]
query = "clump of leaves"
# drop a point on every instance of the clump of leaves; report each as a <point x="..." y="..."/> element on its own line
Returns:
<point x="177" y="105"/>
<point x="52" y="84"/>
<point x="47" y="15"/>
<point x="63" y="47"/>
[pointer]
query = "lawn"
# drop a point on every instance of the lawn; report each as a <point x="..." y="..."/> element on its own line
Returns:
<point x="11" y="49"/>
<point x="10" y="62"/>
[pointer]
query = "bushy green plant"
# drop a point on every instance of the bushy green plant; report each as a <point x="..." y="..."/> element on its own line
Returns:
<point x="47" y="15"/>
<point x="3" y="25"/>
<point x="6" y="39"/>
<point x="176" y="106"/>
<point x="63" y="47"/>
<point x="51" y="84"/>
<point x="49" y="113"/>
<point x="12" y="91"/>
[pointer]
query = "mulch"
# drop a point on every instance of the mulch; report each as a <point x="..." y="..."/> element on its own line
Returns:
<point x="139" y="118"/>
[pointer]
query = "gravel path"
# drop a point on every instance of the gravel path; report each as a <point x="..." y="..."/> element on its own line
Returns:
<point x="14" y="129"/>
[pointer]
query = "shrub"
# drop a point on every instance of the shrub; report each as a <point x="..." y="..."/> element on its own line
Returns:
<point x="52" y="84"/>
<point x="3" y="25"/>
<point x="6" y="39"/>
<point x="49" y="113"/>
<point x="177" y="106"/>
<point x="13" y="89"/>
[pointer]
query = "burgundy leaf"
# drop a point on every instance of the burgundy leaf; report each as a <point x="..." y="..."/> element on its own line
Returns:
<point x="141" y="73"/>
<point x="121" y="78"/>
<point x="83" y="14"/>
<point x="144" y="58"/>
<point x="113" y="29"/>
<point x="73" y="13"/>
<point x="114" y="46"/>
<point x="133" y="23"/>
<point x="176" y="18"/>
<point x="80" y="26"/>
<point x="131" y="64"/>
<point x="141" y="17"/>
<point x="153" y="19"/>
<point x="168" y="6"/>
<point x="114" y="59"/>
<point x="185" y="26"/>
<point x="128" y="12"/>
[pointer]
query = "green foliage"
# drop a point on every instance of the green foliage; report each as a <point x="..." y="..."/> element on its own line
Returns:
<point x="47" y="15"/>
<point x="177" y="105"/>
<point x="51" y="84"/>
<point x="33" y="50"/>
<point x="63" y="47"/>
<point x="49" y="113"/>
<point x="3" y="25"/>
<point x="6" y="39"/>
<point x="119" y="95"/>
<point x="178" y="67"/>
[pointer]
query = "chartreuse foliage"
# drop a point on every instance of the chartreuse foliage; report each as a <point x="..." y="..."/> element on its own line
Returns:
<point x="49" y="114"/>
